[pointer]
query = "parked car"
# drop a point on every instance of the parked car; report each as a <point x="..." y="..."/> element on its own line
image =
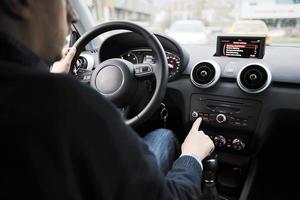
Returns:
<point x="250" y="27"/>
<point x="188" y="32"/>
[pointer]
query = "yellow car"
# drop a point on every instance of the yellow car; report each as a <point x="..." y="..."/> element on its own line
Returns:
<point x="250" y="27"/>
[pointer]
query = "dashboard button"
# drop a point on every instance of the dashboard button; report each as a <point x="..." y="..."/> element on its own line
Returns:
<point x="221" y="118"/>
<point x="238" y="144"/>
<point x="219" y="140"/>
<point x="195" y="114"/>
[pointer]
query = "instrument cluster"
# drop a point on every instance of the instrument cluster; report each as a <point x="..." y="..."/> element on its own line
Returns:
<point x="139" y="56"/>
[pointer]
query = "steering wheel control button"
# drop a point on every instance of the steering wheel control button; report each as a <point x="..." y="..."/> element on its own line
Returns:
<point x="238" y="144"/>
<point x="142" y="70"/>
<point x="219" y="140"/>
<point x="221" y="118"/>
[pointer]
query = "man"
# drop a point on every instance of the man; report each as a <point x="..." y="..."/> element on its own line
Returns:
<point x="63" y="140"/>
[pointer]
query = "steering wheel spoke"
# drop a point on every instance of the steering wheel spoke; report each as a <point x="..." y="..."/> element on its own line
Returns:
<point x="143" y="70"/>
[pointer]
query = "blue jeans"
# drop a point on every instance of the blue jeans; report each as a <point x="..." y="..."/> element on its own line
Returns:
<point x="165" y="147"/>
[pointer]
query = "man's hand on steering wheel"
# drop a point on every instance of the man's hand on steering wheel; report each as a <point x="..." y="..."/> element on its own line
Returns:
<point x="64" y="65"/>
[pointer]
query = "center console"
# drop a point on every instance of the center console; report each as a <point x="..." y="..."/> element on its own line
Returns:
<point x="231" y="123"/>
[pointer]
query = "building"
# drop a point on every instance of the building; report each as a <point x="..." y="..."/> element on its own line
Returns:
<point x="277" y="13"/>
<point x="134" y="10"/>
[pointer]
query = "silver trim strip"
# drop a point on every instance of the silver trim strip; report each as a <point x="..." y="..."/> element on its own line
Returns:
<point x="255" y="91"/>
<point x="214" y="80"/>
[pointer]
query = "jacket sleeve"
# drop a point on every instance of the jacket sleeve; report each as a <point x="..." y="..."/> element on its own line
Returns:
<point x="115" y="161"/>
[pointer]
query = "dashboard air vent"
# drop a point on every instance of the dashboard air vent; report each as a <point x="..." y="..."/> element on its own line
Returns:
<point x="254" y="78"/>
<point x="205" y="74"/>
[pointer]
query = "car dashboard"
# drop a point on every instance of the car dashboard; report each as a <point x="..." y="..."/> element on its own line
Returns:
<point x="241" y="100"/>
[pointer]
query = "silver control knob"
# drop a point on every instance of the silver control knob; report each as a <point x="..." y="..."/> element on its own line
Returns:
<point x="221" y="118"/>
<point x="195" y="114"/>
<point x="238" y="144"/>
<point x="219" y="140"/>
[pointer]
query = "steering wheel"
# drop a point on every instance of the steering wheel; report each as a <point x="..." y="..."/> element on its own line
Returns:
<point x="117" y="79"/>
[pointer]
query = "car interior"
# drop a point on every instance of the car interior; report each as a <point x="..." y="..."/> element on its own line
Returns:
<point x="246" y="91"/>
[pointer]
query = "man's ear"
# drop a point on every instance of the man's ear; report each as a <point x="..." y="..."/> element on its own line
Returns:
<point x="19" y="9"/>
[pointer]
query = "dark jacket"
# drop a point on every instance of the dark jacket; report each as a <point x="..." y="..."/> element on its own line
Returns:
<point x="61" y="139"/>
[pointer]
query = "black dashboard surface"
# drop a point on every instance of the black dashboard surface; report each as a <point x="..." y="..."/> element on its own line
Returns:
<point x="281" y="96"/>
<point x="242" y="123"/>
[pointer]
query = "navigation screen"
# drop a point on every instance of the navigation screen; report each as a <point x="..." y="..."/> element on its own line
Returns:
<point x="241" y="46"/>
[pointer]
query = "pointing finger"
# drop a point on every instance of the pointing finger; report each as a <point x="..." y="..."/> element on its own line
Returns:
<point x="196" y="124"/>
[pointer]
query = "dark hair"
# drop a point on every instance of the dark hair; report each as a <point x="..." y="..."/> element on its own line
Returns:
<point x="6" y="7"/>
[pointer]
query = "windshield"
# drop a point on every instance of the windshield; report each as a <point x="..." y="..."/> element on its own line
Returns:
<point x="278" y="20"/>
<point x="250" y="28"/>
<point x="187" y="26"/>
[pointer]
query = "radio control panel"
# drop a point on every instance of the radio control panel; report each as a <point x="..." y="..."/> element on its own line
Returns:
<point x="225" y="112"/>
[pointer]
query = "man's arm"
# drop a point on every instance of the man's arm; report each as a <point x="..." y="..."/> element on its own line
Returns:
<point x="121" y="161"/>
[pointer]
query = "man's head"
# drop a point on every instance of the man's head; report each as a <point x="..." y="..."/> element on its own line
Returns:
<point x="42" y="25"/>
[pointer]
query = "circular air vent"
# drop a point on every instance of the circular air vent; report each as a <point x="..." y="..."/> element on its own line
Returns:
<point x="254" y="78"/>
<point x="205" y="74"/>
<point x="86" y="61"/>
